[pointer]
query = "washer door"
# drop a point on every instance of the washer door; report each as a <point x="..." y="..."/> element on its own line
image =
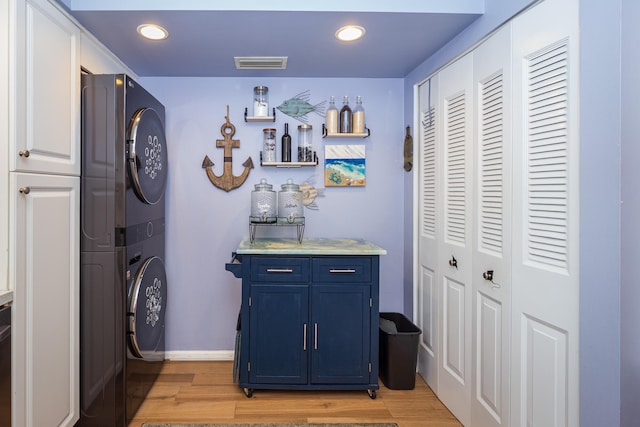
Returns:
<point x="147" y="155"/>
<point x="147" y="306"/>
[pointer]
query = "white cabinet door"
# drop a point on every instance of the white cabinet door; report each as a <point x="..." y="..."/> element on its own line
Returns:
<point x="47" y="85"/>
<point x="429" y="222"/>
<point x="455" y="102"/>
<point x="545" y="298"/>
<point x="4" y="144"/>
<point x="45" y="220"/>
<point x="491" y="277"/>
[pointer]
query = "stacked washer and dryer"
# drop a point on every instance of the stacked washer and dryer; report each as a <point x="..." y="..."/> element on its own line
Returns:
<point x="123" y="284"/>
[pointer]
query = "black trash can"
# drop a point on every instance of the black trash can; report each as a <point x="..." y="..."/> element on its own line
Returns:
<point x="398" y="351"/>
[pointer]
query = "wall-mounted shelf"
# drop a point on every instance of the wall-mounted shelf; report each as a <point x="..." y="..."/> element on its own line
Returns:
<point x="326" y="134"/>
<point x="290" y="164"/>
<point x="248" y="118"/>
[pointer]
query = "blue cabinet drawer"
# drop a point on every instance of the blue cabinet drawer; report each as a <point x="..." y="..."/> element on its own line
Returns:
<point x="342" y="269"/>
<point x="276" y="269"/>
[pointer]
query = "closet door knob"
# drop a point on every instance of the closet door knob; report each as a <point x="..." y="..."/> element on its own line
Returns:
<point x="453" y="262"/>
<point x="24" y="153"/>
<point x="24" y="190"/>
<point x="488" y="275"/>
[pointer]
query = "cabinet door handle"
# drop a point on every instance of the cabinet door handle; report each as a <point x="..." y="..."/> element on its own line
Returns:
<point x="304" y="337"/>
<point x="23" y="153"/>
<point x="279" y="270"/>
<point x="347" y="270"/>
<point x="24" y="190"/>
<point x="315" y="336"/>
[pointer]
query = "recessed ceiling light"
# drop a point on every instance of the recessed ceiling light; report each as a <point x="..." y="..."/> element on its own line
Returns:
<point x="152" y="32"/>
<point x="350" y="33"/>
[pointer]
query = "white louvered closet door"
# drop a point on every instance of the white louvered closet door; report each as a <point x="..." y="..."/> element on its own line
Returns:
<point x="491" y="277"/>
<point x="454" y="248"/>
<point x="545" y="296"/>
<point x="429" y="222"/>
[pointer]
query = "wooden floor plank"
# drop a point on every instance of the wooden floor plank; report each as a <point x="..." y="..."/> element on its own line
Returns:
<point x="203" y="392"/>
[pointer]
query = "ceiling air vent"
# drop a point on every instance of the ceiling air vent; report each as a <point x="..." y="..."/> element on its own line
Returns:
<point x="261" y="62"/>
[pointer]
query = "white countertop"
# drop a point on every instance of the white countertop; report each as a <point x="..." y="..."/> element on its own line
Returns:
<point x="309" y="247"/>
<point x="6" y="297"/>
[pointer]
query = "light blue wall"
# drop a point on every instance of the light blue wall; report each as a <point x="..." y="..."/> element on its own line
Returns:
<point x="205" y="224"/>
<point x="630" y="252"/>
<point x="600" y="213"/>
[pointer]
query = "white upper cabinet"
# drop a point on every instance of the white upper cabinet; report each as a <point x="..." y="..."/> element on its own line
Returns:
<point x="97" y="59"/>
<point x="46" y="81"/>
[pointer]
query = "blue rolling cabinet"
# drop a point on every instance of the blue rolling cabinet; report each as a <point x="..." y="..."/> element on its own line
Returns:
<point x="309" y="314"/>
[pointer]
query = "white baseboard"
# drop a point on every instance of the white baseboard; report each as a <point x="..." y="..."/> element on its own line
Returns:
<point x="199" y="355"/>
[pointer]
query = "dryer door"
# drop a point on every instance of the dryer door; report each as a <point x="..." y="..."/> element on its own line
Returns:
<point x="147" y="158"/>
<point x="147" y="306"/>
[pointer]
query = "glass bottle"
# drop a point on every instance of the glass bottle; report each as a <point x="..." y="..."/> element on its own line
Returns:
<point x="269" y="145"/>
<point x="290" y="204"/>
<point x="286" y="144"/>
<point x="358" y="116"/>
<point x="346" y="120"/>
<point x="263" y="203"/>
<point x="332" y="117"/>
<point x="305" y="144"/>
<point x="260" y="101"/>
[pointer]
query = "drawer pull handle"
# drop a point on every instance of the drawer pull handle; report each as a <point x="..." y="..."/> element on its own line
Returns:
<point x="348" y="270"/>
<point x="304" y="337"/>
<point x="279" y="270"/>
<point x="315" y="338"/>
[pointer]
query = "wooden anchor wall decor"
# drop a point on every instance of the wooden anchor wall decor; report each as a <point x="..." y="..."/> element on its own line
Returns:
<point x="227" y="181"/>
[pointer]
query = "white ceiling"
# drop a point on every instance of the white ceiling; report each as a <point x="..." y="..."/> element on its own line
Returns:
<point x="205" y="35"/>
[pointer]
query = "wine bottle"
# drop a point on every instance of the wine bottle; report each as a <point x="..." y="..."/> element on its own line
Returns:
<point x="346" y="119"/>
<point x="286" y="144"/>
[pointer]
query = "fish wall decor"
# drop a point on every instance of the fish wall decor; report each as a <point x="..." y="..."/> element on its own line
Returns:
<point x="299" y="106"/>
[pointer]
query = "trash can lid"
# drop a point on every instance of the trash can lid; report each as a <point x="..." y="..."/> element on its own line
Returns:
<point x="388" y="326"/>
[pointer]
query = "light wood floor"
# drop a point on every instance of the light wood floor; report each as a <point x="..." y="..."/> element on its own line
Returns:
<point x="203" y="392"/>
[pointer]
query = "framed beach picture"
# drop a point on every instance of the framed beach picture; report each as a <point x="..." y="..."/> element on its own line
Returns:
<point x="344" y="165"/>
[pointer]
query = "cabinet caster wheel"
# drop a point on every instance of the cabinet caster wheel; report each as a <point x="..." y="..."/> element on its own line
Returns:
<point x="248" y="392"/>
<point x="372" y="393"/>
